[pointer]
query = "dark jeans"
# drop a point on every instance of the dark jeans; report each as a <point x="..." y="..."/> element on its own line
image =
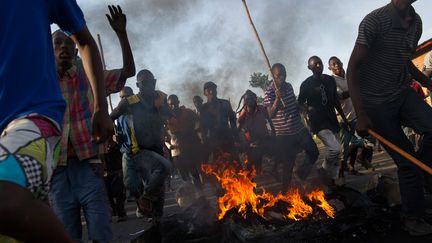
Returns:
<point x="287" y="149"/>
<point x="188" y="168"/>
<point x="146" y="173"/>
<point x="346" y="136"/>
<point x="116" y="192"/>
<point x="387" y="119"/>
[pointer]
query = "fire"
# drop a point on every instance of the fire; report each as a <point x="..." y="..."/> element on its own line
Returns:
<point x="318" y="195"/>
<point x="241" y="194"/>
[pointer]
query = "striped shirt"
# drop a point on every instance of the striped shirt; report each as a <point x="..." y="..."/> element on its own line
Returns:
<point x="384" y="74"/>
<point x="286" y="120"/>
<point x="77" y="125"/>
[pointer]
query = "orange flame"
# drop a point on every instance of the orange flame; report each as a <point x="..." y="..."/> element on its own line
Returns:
<point x="240" y="194"/>
<point x="318" y="195"/>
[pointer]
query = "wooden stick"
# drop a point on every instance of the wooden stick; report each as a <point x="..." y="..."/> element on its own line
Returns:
<point x="101" y="51"/>
<point x="401" y="152"/>
<point x="261" y="47"/>
<point x="104" y="68"/>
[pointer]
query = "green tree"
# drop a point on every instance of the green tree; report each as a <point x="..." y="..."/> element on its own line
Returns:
<point x="259" y="80"/>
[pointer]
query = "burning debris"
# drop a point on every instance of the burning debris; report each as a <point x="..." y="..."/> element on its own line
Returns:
<point x="241" y="194"/>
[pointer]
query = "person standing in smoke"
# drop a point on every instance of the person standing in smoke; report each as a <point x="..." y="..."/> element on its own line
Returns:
<point x="218" y="123"/>
<point x="291" y="135"/>
<point x="318" y="96"/>
<point x="253" y="122"/>
<point x="184" y="141"/>
<point x="148" y="112"/>
<point x="198" y="103"/>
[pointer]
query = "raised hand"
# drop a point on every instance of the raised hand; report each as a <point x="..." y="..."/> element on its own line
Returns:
<point x="117" y="19"/>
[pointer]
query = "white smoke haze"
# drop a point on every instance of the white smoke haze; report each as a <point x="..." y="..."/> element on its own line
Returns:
<point x="188" y="42"/>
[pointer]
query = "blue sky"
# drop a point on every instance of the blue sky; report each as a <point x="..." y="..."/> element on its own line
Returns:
<point x="187" y="42"/>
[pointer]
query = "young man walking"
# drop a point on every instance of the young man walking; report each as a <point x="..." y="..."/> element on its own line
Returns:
<point x="379" y="82"/>
<point x="318" y="96"/>
<point x="291" y="135"/>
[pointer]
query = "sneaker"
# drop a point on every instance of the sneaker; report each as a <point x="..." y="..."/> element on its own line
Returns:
<point x="139" y="214"/>
<point x="416" y="226"/>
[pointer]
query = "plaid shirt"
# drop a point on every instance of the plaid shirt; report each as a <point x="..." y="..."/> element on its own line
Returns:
<point x="77" y="126"/>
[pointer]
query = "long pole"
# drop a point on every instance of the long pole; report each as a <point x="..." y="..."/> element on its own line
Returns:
<point x="401" y="152"/>
<point x="104" y="67"/>
<point x="261" y="46"/>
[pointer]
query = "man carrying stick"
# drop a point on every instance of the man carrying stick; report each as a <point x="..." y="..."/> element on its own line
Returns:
<point x="379" y="74"/>
<point x="291" y="135"/>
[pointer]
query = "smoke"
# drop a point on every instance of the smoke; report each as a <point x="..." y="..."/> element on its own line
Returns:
<point x="188" y="42"/>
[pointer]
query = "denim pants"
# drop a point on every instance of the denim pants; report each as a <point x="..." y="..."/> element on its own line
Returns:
<point x="346" y="136"/>
<point x="408" y="110"/>
<point x="333" y="150"/>
<point x="80" y="185"/>
<point x="146" y="174"/>
<point x="131" y="176"/>
<point x="287" y="149"/>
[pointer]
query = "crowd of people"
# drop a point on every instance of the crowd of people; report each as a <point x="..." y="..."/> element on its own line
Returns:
<point x="62" y="153"/>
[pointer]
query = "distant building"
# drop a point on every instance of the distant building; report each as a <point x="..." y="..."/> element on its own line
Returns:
<point x="421" y="52"/>
<point x="419" y="56"/>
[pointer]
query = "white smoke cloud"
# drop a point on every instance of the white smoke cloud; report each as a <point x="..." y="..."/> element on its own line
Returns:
<point x="188" y="42"/>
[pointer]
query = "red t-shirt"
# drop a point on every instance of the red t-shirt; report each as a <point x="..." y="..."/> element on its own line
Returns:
<point x="254" y="123"/>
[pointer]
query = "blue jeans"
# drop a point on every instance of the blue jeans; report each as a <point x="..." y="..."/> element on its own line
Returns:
<point x="131" y="176"/>
<point x="146" y="174"/>
<point x="408" y="110"/>
<point x="346" y="136"/>
<point x="80" y="185"/>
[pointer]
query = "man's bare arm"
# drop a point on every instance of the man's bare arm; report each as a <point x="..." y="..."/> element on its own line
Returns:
<point x="358" y="56"/>
<point x="102" y="125"/>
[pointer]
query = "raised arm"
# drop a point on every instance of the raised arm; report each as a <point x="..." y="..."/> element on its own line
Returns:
<point x="102" y="125"/>
<point x="117" y="20"/>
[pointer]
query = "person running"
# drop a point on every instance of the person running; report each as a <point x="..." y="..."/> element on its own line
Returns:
<point x="253" y="120"/>
<point x="147" y="169"/>
<point x="319" y="99"/>
<point x="218" y="124"/>
<point x="291" y="135"/>
<point x="184" y="143"/>
<point x="379" y="84"/>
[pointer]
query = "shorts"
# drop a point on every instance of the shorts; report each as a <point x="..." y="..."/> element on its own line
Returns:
<point x="29" y="149"/>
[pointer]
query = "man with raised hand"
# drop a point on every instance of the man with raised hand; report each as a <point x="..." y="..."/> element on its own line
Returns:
<point x="78" y="180"/>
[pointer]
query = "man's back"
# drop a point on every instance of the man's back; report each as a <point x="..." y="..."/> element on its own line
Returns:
<point x="27" y="76"/>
